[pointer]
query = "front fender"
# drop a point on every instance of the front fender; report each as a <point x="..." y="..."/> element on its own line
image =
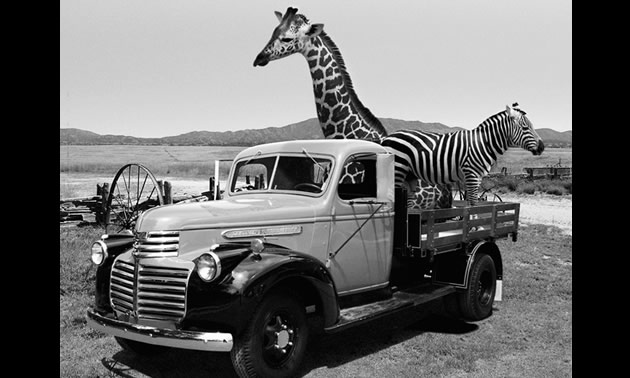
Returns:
<point x="299" y="272"/>
<point x="247" y="277"/>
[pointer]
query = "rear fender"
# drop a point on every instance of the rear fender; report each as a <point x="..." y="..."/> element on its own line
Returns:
<point x="453" y="268"/>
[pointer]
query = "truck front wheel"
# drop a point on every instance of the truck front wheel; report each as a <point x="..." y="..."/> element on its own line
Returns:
<point x="475" y="303"/>
<point x="274" y="343"/>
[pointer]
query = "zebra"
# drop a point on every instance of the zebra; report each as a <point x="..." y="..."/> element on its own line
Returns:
<point x="462" y="156"/>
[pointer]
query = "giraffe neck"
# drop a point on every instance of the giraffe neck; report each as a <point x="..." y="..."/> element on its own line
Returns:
<point x="340" y="112"/>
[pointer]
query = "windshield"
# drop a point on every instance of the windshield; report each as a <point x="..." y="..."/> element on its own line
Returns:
<point x="302" y="173"/>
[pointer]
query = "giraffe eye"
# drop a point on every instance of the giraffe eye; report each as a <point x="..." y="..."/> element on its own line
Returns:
<point x="286" y="40"/>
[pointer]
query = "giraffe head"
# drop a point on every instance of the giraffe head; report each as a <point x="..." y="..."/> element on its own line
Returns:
<point x="289" y="37"/>
<point x="523" y="133"/>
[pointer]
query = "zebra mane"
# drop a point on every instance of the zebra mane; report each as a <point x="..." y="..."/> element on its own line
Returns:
<point x="374" y="122"/>
<point x="493" y="120"/>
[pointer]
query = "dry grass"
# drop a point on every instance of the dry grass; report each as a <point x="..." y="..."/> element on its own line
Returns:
<point x="529" y="334"/>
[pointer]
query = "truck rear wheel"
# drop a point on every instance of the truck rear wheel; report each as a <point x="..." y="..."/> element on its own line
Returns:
<point x="274" y="343"/>
<point x="475" y="303"/>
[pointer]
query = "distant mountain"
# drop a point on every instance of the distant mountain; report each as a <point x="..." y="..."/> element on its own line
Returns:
<point x="553" y="138"/>
<point x="308" y="129"/>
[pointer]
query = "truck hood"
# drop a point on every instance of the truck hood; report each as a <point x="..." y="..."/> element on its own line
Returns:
<point x="232" y="212"/>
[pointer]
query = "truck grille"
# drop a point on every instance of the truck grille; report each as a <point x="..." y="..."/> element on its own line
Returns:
<point x="157" y="244"/>
<point x="151" y="291"/>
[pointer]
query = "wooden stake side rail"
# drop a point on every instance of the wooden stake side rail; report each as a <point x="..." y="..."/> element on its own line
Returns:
<point x="442" y="229"/>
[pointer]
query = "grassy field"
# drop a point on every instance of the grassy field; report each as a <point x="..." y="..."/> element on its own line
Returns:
<point x="184" y="161"/>
<point x="199" y="161"/>
<point x="529" y="334"/>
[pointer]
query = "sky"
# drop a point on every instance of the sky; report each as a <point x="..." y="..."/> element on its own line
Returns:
<point x="163" y="68"/>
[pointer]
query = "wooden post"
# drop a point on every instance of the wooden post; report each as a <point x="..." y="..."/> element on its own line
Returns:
<point x="211" y="188"/>
<point x="168" y="193"/>
<point x="104" y="193"/>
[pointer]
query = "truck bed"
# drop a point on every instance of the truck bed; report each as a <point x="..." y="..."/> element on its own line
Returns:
<point x="444" y="229"/>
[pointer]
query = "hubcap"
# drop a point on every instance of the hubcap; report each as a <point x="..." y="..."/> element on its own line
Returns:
<point x="279" y="337"/>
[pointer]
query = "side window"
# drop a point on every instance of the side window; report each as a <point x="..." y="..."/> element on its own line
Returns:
<point x="358" y="179"/>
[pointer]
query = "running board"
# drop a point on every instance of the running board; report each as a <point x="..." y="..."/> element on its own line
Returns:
<point x="400" y="300"/>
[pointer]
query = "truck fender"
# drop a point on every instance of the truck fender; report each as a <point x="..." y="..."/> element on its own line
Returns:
<point x="301" y="273"/>
<point x="453" y="268"/>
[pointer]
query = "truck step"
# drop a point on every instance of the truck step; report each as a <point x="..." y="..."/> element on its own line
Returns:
<point x="400" y="300"/>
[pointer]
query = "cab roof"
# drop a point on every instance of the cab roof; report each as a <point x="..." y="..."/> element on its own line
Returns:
<point x="339" y="148"/>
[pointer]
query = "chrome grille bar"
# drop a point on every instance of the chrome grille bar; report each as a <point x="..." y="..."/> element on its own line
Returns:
<point x="159" y="292"/>
<point x="157" y="244"/>
<point x="122" y="285"/>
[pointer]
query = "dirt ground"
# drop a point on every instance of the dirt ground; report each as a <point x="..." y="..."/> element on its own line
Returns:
<point x="544" y="209"/>
<point x="535" y="208"/>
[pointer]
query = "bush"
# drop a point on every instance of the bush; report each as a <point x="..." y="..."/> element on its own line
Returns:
<point x="555" y="189"/>
<point x="526" y="187"/>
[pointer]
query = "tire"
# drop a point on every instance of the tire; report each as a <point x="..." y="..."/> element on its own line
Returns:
<point x="475" y="303"/>
<point x="138" y="348"/>
<point x="274" y="342"/>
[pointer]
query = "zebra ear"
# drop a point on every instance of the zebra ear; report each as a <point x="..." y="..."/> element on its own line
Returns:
<point x="279" y="15"/>
<point x="510" y="111"/>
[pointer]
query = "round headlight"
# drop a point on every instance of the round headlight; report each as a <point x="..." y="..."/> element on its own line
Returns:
<point x="99" y="252"/>
<point x="208" y="266"/>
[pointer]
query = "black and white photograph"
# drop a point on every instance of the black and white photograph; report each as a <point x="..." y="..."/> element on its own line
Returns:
<point x="315" y="189"/>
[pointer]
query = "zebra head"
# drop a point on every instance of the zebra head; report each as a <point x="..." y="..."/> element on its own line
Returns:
<point x="289" y="37"/>
<point x="523" y="133"/>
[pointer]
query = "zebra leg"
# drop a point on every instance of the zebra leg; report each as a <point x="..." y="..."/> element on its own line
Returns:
<point x="472" y="190"/>
<point x="472" y="195"/>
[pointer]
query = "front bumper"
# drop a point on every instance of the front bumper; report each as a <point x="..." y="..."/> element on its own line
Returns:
<point x="206" y="341"/>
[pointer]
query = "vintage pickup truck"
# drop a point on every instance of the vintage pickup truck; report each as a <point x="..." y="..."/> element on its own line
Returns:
<point x="322" y="234"/>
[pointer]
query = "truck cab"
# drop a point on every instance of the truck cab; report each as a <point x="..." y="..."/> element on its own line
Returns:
<point x="304" y="229"/>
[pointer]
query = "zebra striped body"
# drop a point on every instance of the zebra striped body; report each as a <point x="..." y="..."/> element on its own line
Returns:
<point x="462" y="156"/>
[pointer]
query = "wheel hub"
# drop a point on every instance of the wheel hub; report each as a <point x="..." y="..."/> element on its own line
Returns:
<point x="282" y="336"/>
<point x="282" y="339"/>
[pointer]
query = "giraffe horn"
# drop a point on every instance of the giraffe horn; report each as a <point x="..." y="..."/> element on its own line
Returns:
<point x="288" y="14"/>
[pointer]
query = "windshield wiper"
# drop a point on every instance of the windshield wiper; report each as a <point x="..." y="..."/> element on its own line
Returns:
<point x="325" y="176"/>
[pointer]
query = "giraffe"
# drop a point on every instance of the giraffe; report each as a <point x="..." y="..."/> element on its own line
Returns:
<point x="340" y="113"/>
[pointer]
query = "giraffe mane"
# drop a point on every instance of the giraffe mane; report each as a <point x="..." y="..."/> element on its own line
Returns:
<point x="374" y="122"/>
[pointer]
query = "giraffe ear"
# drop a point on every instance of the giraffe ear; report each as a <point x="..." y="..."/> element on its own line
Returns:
<point x="315" y="30"/>
<point x="279" y="15"/>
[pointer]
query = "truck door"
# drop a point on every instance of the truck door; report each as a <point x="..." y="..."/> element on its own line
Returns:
<point x="362" y="228"/>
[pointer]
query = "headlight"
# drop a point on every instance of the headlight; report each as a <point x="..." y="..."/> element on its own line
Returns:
<point x="208" y="266"/>
<point x="99" y="252"/>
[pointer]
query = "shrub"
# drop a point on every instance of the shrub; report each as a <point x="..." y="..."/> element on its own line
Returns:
<point x="511" y="182"/>
<point x="526" y="187"/>
<point x="555" y="189"/>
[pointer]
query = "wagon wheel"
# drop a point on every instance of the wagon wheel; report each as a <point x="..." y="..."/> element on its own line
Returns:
<point x="488" y="189"/>
<point x="133" y="191"/>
